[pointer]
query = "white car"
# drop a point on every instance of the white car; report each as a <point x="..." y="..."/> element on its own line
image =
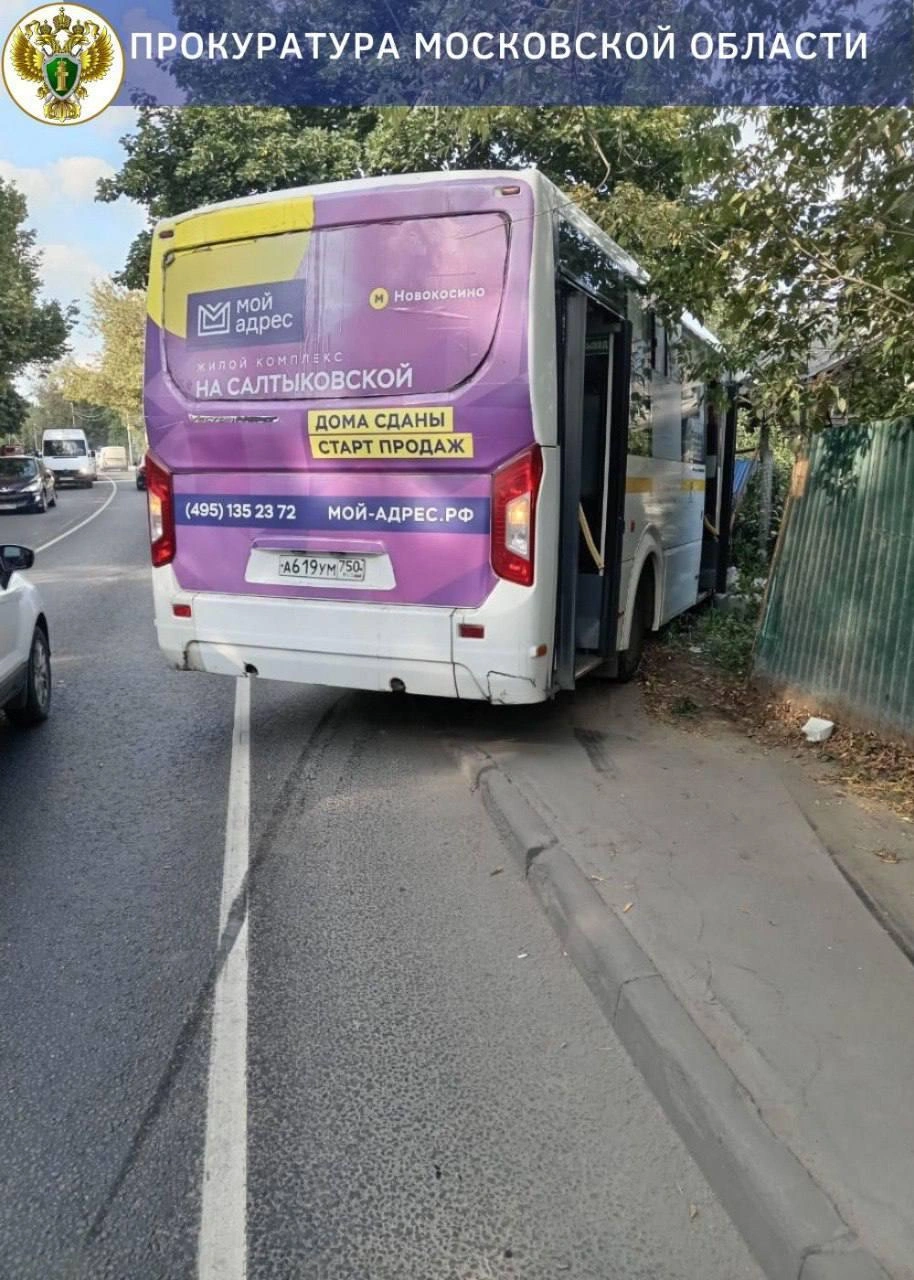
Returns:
<point x="25" y="650"/>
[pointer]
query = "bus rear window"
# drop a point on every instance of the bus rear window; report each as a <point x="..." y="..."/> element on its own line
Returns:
<point x="369" y="309"/>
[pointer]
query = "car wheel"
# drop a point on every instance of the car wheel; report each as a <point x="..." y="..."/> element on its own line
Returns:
<point x="35" y="704"/>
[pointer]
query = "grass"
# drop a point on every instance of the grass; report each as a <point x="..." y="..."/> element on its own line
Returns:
<point x="684" y="706"/>
<point x="724" y="638"/>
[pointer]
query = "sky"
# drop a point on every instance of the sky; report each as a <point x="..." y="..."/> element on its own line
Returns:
<point x="56" y="168"/>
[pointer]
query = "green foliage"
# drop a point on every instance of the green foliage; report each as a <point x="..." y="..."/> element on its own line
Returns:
<point x="181" y="158"/>
<point x="31" y="331"/>
<point x="745" y="544"/>
<point x="117" y="316"/>
<point x="12" y="414"/>
<point x="794" y="243"/>
<point x="745" y="548"/>
<point x="115" y="380"/>
<point x="724" y="637"/>
<point x="49" y="408"/>
<point x="812" y="224"/>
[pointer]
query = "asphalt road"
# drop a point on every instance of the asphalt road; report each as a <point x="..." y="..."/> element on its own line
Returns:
<point x="425" y="1089"/>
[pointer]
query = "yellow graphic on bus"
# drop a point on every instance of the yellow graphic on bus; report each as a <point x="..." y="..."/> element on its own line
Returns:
<point x="225" y="249"/>
<point x="370" y="422"/>
<point x="457" y="445"/>
<point x="423" y="431"/>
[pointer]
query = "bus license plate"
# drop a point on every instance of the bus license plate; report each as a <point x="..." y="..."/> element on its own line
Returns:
<point x="322" y="568"/>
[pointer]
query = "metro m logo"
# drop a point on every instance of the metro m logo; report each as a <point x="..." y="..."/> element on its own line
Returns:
<point x="214" y="319"/>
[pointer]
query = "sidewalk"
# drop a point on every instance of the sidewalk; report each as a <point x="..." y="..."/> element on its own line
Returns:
<point x="698" y="845"/>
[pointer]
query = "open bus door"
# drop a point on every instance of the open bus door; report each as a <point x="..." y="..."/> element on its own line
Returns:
<point x="595" y="363"/>
<point x="720" y="455"/>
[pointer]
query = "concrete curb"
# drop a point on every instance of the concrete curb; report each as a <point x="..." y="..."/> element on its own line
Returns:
<point x="788" y="1222"/>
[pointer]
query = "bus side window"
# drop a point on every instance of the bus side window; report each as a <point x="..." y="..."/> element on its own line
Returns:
<point x="640" y="441"/>
<point x="693" y="423"/>
<point x="651" y="336"/>
<point x="660" y="355"/>
<point x="640" y="434"/>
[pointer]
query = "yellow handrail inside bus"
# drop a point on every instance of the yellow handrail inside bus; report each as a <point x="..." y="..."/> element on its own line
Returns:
<point x="588" y="538"/>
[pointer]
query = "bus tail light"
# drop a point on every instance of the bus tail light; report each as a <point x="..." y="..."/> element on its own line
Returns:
<point x="161" y="500"/>
<point x="514" y="492"/>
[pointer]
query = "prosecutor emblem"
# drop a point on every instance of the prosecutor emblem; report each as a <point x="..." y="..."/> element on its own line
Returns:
<point x="63" y="66"/>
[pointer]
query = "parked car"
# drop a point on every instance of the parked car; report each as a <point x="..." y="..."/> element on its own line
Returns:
<point x="141" y="474"/>
<point x="26" y="484"/>
<point x="25" y="649"/>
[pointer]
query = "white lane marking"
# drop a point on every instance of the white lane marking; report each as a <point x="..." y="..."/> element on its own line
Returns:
<point x="82" y="524"/>
<point x="222" y="1251"/>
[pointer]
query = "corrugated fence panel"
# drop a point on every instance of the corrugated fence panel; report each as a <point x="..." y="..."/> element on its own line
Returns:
<point x="839" y="618"/>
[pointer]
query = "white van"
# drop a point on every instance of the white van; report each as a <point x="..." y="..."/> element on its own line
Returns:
<point x="113" y="457"/>
<point x="66" y="452"/>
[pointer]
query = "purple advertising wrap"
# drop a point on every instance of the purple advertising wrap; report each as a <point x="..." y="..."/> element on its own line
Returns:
<point x="339" y="369"/>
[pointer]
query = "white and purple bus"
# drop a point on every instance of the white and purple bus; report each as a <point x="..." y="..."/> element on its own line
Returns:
<point x="421" y="433"/>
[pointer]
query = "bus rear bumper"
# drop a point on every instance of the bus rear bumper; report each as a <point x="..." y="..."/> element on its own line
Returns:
<point x="336" y="670"/>
<point x="349" y="645"/>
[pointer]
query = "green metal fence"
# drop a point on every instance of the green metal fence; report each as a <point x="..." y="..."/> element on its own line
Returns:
<point x="839" y="617"/>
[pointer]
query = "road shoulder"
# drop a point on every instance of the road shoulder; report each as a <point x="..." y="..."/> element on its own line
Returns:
<point x="749" y="984"/>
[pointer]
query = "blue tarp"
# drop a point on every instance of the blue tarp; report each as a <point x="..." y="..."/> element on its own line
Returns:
<point x="743" y="469"/>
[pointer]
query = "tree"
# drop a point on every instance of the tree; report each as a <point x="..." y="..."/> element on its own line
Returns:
<point x="31" y="331"/>
<point x="181" y="158"/>
<point x="794" y="242"/>
<point x="117" y="316"/>
<point x="50" y="407"/>
<point x="813" y="254"/>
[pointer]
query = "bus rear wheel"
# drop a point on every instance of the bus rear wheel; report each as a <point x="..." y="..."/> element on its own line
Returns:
<point x="642" y="617"/>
